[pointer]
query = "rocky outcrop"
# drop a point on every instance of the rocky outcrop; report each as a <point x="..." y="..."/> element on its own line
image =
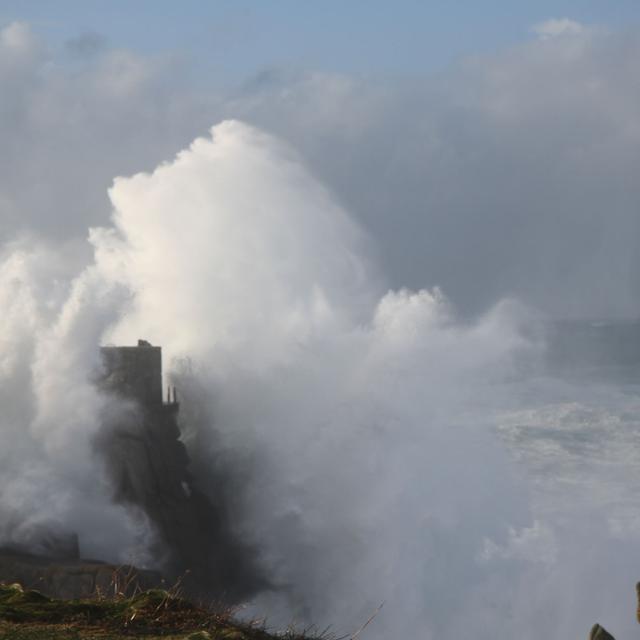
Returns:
<point x="599" y="633"/>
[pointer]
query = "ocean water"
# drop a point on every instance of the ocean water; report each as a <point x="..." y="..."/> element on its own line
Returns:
<point x="576" y="431"/>
<point x="573" y="434"/>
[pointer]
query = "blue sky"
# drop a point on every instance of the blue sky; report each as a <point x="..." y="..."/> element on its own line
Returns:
<point x="234" y="39"/>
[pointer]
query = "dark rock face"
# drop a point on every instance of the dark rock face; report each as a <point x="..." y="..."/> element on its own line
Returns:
<point x="149" y="467"/>
<point x="599" y="633"/>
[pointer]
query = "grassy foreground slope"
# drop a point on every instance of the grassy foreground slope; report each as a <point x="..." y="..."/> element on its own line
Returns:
<point x="29" y="615"/>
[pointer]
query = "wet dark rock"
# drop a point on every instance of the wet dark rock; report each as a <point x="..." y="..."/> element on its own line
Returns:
<point x="599" y="633"/>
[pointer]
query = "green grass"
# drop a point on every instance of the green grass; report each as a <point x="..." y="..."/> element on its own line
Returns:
<point x="29" y="615"/>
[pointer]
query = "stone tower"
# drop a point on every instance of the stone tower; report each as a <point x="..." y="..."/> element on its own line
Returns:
<point x="134" y="372"/>
<point x="149" y="469"/>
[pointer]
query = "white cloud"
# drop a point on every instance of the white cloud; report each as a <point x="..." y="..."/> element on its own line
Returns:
<point x="556" y="27"/>
<point x="535" y="544"/>
<point x="536" y="144"/>
<point x="508" y="175"/>
<point x="68" y="129"/>
<point x="17" y="37"/>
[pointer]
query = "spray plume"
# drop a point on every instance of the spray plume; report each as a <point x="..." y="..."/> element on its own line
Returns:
<point x="346" y="428"/>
